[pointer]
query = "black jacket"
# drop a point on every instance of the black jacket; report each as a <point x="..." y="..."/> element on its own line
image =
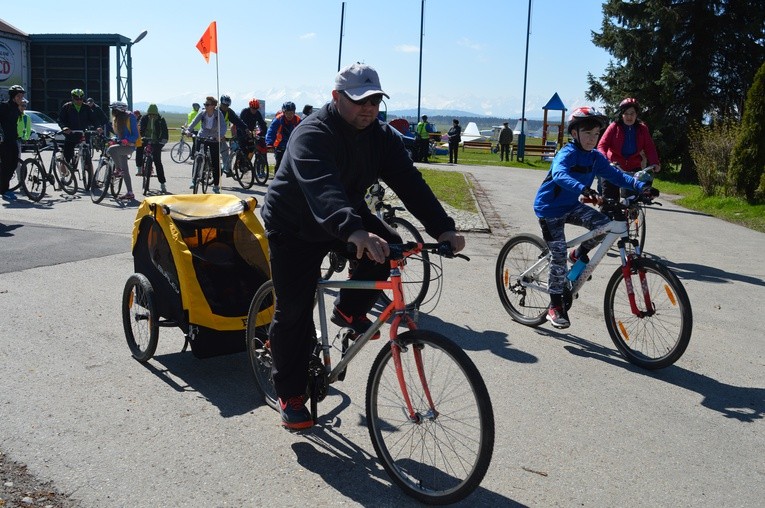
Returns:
<point x="9" y="115"/>
<point x="159" y="134"/>
<point x="317" y="194"/>
<point x="77" y="120"/>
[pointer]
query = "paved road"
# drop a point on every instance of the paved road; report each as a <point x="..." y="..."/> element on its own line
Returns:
<point x="576" y="425"/>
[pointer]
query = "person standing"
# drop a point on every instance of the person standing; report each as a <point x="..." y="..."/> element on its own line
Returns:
<point x="423" y="139"/>
<point x="280" y="129"/>
<point x="505" y="140"/>
<point x="10" y="112"/>
<point x="101" y="119"/>
<point x="625" y="141"/>
<point x="316" y="204"/>
<point x="454" y="140"/>
<point x="75" y="115"/>
<point x="153" y="129"/>
<point x="125" y="129"/>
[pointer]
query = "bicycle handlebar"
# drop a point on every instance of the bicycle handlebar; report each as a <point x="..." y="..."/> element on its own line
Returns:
<point x="402" y="250"/>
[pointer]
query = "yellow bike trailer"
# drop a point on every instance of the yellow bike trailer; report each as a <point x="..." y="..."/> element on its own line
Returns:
<point x="198" y="261"/>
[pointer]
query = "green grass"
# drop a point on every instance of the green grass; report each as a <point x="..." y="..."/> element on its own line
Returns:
<point x="450" y="187"/>
<point x="731" y="209"/>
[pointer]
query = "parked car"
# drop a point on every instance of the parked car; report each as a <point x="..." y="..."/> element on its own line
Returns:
<point x="43" y="123"/>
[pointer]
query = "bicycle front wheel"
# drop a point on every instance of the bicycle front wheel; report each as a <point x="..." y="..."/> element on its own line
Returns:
<point x="196" y="172"/>
<point x="261" y="169"/>
<point x="139" y="317"/>
<point x="415" y="277"/>
<point x="440" y="453"/>
<point x="180" y="152"/>
<point x="207" y="177"/>
<point x="660" y="336"/>
<point x="258" y="349"/>
<point x="33" y="179"/>
<point x="99" y="186"/>
<point x="146" y="172"/>
<point x="245" y="173"/>
<point x="521" y="298"/>
<point x="65" y="176"/>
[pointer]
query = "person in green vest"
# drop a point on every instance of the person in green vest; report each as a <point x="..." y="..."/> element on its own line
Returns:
<point x="190" y="118"/>
<point x="24" y="123"/>
<point x="423" y="139"/>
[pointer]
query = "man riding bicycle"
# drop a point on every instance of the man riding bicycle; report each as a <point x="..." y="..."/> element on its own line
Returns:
<point x="316" y="204"/>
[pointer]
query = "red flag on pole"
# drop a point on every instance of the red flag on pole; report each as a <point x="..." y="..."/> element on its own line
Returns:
<point x="209" y="41"/>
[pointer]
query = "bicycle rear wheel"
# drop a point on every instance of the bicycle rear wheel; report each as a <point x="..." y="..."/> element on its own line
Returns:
<point x="139" y="317"/>
<point x="258" y="349"/>
<point x="16" y="177"/>
<point x="659" y="338"/>
<point x="116" y="185"/>
<point x="33" y="179"/>
<point x="261" y="168"/>
<point x="524" y="303"/>
<point x="180" y="152"/>
<point x="439" y="454"/>
<point x="415" y="277"/>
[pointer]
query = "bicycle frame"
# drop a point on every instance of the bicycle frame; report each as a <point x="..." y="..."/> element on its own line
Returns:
<point x="615" y="231"/>
<point x="396" y="310"/>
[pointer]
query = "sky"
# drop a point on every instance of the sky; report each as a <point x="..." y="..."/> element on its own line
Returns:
<point x="473" y="51"/>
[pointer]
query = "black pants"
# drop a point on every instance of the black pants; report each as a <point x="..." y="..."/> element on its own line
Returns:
<point x="156" y="155"/>
<point x="611" y="190"/>
<point x="295" y="266"/>
<point x="454" y="147"/>
<point x="423" y="147"/>
<point x="214" y="160"/>
<point x="278" y="154"/>
<point x="504" y="152"/>
<point x="9" y="154"/>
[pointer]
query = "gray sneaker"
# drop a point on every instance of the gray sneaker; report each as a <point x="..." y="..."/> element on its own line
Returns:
<point x="558" y="317"/>
<point x="162" y="188"/>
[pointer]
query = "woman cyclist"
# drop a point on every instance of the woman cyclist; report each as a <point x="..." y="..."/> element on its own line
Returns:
<point x="625" y="142"/>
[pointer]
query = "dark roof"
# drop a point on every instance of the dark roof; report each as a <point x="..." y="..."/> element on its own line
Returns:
<point x="8" y="28"/>
<point x="555" y="103"/>
<point x="88" y="39"/>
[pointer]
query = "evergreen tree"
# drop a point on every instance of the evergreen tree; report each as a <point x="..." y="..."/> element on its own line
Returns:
<point x="747" y="167"/>
<point x="685" y="61"/>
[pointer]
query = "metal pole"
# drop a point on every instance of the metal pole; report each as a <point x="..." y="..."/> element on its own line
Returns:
<point x="522" y="135"/>
<point x="419" y="85"/>
<point x="340" y="52"/>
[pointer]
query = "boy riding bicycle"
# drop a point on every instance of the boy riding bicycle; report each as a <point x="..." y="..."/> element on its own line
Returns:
<point x="558" y="200"/>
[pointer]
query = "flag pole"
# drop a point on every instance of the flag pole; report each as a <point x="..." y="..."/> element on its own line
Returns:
<point x="217" y="91"/>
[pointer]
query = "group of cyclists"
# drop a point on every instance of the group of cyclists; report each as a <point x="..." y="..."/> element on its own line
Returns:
<point x="210" y="124"/>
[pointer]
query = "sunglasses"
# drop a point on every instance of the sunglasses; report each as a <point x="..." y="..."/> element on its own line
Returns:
<point x="206" y="105"/>
<point x="375" y="100"/>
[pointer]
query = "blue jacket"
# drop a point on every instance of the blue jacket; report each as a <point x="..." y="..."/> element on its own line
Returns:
<point x="572" y="171"/>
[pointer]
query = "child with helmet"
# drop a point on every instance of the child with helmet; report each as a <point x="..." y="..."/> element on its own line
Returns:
<point x="557" y="202"/>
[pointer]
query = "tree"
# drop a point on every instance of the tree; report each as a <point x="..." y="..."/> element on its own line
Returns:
<point x="747" y="167"/>
<point x="685" y="61"/>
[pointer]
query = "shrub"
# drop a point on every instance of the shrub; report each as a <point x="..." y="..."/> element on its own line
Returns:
<point x="710" y="148"/>
<point x="747" y="170"/>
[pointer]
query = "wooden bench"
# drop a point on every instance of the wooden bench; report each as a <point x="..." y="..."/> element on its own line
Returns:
<point x="477" y="145"/>
<point x="541" y="150"/>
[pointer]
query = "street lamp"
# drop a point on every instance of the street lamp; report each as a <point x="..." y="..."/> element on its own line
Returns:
<point x="130" y="68"/>
<point x="522" y="136"/>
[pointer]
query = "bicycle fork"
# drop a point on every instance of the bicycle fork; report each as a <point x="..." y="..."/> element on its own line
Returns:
<point x="411" y="414"/>
<point x="627" y="267"/>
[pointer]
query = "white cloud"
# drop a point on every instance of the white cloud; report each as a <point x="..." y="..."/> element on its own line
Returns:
<point x="407" y="48"/>
<point x="309" y="35"/>
<point x="464" y="41"/>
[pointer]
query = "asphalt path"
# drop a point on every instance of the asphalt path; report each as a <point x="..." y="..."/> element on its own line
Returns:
<point x="575" y="423"/>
